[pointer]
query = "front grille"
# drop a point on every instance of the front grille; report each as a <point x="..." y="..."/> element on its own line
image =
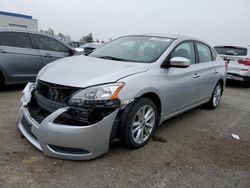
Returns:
<point x="42" y="107"/>
<point x="46" y="103"/>
<point x="36" y="112"/>
<point x="55" y="92"/>
<point x="43" y="103"/>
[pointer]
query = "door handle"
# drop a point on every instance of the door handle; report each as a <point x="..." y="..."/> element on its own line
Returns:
<point x="196" y="75"/>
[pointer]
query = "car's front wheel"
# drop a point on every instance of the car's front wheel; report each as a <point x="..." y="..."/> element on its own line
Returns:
<point x="139" y="122"/>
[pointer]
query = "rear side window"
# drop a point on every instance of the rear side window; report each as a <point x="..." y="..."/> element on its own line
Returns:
<point x="15" y="39"/>
<point x="231" y="50"/>
<point x="204" y="53"/>
<point x="47" y="43"/>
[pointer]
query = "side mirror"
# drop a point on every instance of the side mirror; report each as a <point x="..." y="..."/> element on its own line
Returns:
<point x="180" y="62"/>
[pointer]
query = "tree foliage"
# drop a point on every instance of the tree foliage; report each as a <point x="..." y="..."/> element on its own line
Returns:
<point x="63" y="37"/>
<point x="60" y="36"/>
<point x="86" y="39"/>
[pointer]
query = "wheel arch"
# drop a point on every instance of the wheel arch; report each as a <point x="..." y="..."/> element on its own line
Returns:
<point x="221" y="81"/>
<point x="156" y="99"/>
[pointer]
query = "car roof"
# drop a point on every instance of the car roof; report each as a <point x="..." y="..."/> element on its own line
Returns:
<point x="21" y="30"/>
<point x="171" y="36"/>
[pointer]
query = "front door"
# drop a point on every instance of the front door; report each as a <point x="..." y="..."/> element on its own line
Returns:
<point x="182" y="89"/>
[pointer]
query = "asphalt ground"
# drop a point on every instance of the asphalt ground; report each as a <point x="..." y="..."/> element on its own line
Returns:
<point x="195" y="149"/>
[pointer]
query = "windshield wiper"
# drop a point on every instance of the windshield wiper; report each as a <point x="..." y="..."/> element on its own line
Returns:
<point x="112" y="58"/>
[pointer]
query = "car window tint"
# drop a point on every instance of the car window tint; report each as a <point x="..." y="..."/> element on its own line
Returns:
<point x="47" y="43"/>
<point x="204" y="53"/>
<point x="15" y="39"/>
<point x="186" y="50"/>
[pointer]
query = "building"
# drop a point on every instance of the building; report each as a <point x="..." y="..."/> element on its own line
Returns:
<point x="19" y="21"/>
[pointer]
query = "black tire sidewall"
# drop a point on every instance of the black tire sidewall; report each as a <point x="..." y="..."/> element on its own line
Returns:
<point x="1" y="81"/>
<point x="247" y="82"/>
<point x="138" y="104"/>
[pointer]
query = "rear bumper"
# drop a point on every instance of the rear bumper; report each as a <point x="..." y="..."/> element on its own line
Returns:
<point x="237" y="76"/>
<point x="238" y="72"/>
<point x="65" y="141"/>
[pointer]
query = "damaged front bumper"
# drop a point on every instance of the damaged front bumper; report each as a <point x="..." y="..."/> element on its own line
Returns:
<point x="62" y="140"/>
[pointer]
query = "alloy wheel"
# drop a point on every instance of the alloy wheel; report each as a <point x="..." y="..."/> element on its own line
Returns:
<point x="143" y="124"/>
<point x="217" y="95"/>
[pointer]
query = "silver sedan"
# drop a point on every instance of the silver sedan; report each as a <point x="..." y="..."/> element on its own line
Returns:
<point x="123" y="90"/>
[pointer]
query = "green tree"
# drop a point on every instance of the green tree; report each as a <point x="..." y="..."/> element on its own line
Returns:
<point x="60" y="36"/>
<point x="49" y="31"/>
<point x="86" y="39"/>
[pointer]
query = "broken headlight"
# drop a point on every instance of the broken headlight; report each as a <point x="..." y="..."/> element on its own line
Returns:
<point x="100" y="96"/>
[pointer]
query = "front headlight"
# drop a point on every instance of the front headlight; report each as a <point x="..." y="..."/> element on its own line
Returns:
<point x="97" y="94"/>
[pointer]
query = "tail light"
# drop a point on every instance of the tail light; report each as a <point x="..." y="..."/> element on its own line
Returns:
<point x="244" y="62"/>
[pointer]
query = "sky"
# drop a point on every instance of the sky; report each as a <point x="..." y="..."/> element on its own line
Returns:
<point x="215" y="21"/>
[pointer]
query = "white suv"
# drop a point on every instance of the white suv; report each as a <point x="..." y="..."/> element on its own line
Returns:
<point x="238" y="58"/>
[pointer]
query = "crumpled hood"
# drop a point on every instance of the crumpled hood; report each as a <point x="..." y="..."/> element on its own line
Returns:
<point x="83" y="71"/>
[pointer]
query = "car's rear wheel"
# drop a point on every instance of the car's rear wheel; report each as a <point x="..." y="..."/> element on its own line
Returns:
<point x="1" y="81"/>
<point x="216" y="96"/>
<point x="247" y="82"/>
<point x="139" y="122"/>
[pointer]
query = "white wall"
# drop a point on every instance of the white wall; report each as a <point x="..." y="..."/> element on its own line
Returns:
<point x="20" y="23"/>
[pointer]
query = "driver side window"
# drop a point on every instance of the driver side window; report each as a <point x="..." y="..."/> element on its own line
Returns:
<point x="186" y="50"/>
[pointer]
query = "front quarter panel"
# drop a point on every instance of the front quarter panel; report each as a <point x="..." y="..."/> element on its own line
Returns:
<point x="137" y="85"/>
<point x="140" y="84"/>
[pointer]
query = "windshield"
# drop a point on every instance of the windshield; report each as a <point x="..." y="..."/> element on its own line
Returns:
<point x="231" y="50"/>
<point x="134" y="49"/>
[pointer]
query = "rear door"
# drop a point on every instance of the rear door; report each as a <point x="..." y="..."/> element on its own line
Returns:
<point x="50" y="49"/>
<point x="207" y="69"/>
<point x="20" y="61"/>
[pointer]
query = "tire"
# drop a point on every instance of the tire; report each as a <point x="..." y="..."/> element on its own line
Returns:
<point x="1" y="81"/>
<point x="216" y="96"/>
<point x="136" y="129"/>
<point x="247" y="82"/>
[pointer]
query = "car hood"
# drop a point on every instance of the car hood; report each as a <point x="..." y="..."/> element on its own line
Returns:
<point x="83" y="71"/>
